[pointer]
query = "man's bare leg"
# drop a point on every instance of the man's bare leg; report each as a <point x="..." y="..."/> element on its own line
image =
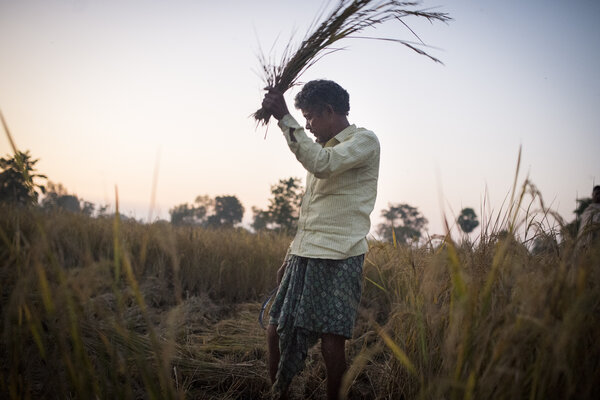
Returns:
<point x="273" y="351"/>
<point x="332" y="348"/>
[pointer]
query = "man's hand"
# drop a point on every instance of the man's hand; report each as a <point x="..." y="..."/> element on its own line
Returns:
<point x="281" y="271"/>
<point x="275" y="104"/>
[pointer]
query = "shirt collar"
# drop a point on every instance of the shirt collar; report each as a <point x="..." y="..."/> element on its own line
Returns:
<point x="340" y="137"/>
<point x="331" y="142"/>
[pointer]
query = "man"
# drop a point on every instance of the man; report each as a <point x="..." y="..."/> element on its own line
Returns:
<point x="590" y="220"/>
<point x="320" y="281"/>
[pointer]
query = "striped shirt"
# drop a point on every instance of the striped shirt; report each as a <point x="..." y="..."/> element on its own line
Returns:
<point x="341" y="187"/>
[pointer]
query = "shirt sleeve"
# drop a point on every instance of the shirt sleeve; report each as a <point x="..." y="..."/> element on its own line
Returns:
<point x="325" y="162"/>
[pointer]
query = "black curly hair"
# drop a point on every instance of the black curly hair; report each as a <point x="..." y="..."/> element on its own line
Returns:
<point x="315" y="95"/>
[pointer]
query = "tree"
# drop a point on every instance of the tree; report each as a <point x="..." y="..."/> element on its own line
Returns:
<point x="58" y="198"/>
<point x="228" y="211"/>
<point x="87" y="208"/>
<point x="186" y="214"/>
<point x="223" y="211"/>
<point x="406" y="221"/>
<point x="102" y="210"/>
<point x="467" y="220"/>
<point x="17" y="180"/>
<point x="284" y="207"/>
<point x="192" y="214"/>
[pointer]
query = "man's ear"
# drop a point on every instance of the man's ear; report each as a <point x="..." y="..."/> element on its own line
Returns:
<point x="328" y="109"/>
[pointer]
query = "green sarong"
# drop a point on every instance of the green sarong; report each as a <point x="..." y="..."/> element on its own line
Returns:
<point x="315" y="296"/>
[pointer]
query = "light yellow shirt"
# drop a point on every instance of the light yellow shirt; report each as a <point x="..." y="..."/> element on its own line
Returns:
<point x="341" y="187"/>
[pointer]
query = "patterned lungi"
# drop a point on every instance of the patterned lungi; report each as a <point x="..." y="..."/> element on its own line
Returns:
<point x="315" y="296"/>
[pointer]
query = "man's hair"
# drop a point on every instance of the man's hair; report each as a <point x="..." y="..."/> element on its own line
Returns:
<point x="315" y="95"/>
<point x="597" y="187"/>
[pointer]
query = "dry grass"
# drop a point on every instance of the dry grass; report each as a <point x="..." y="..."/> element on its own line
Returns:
<point x="95" y="307"/>
<point x="346" y="20"/>
<point x="530" y="333"/>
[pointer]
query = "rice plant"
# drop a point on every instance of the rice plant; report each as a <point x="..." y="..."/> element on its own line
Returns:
<point x="347" y="20"/>
<point x="119" y="309"/>
<point x="85" y="312"/>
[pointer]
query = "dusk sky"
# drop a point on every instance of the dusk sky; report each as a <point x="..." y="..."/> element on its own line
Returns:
<point x="101" y="90"/>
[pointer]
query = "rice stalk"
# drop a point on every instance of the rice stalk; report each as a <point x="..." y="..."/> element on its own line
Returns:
<point x="345" y="21"/>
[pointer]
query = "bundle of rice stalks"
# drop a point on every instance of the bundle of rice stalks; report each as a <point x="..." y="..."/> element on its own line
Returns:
<point x="345" y="20"/>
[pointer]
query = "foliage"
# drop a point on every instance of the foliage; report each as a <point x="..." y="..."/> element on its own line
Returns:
<point x="260" y="219"/>
<point x="467" y="220"/>
<point x="57" y="198"/>
<point x="284" y="207"/>
<point x="228" y="211"/>
<point x="185" y="214"/>
<point x="220" y="212"/>
<point x="406" y="221"/>
<point x="18" y="180"/>
<point x="194" y="214"/>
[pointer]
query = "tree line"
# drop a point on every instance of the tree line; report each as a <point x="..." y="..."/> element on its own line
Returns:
<point x="401" y="222"/>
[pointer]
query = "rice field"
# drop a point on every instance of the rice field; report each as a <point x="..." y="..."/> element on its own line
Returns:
<point x="103" y="308"/>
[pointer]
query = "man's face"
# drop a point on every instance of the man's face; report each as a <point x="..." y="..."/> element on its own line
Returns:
<point x="596" y="196"/>
<point x="319" y="124"/>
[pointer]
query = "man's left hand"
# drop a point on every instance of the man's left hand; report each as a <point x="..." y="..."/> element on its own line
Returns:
<point x="275" y="104"/>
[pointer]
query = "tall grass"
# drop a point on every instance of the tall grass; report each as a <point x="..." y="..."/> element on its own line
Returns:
<point x="490" y="320"/>
<point x="116" y="309"/>
<point x="109" y="309"/>
<point x="529" y="333"/>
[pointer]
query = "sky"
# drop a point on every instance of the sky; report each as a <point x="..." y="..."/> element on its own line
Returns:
<point x="111" y="93"/>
